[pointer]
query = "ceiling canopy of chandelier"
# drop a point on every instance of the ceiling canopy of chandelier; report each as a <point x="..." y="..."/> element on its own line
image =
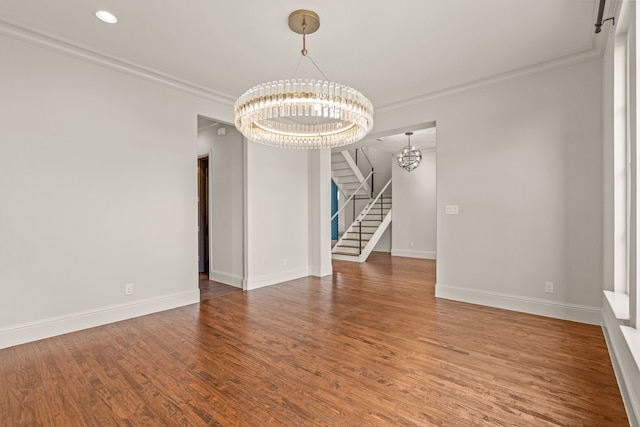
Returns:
<point x="409" y="157"/>
<point x="297" y="113"/>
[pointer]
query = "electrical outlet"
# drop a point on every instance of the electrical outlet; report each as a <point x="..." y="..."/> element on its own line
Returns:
<point x="411" y="244"/>
<point x="128" y="289"/>
<point x="548" y="287"/>
<point x="284" y="262"/>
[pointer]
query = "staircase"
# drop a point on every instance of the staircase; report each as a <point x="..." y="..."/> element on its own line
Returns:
<point x="362" y="236"/>
<point x="347" y="175"/>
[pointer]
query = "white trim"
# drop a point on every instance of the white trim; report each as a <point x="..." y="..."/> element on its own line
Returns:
<point x="47" y="328"/>
<point x="354" y="168"/>
<point x="226" y="278"/>
<point x="619" y="303"/>
<point x="413" y="254"/>
<point x="321" y="271"/>
<point x="245" y="214"/>
<point x="275" y="278"/>
<point x="565" y="61"/>
<point x="354" y="258"/>
<point x="558" y="310"/>
<point x="632" y="337"/>
<point x="40" y="38"/>
<point x="622" y="359"/>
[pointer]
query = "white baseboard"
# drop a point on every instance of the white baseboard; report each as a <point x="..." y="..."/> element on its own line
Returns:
<point x="558" y="310"/>
<point x="226" y="278"/>
<point x="321" y="271"/>
<point x="413" y="254"/>
<point x="622" y="359"/>
<point x="47" y="328"/>
<point x="275" y="278"/>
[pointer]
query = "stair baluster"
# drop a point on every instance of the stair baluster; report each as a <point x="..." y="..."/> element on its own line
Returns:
<point x="345" y="250"/>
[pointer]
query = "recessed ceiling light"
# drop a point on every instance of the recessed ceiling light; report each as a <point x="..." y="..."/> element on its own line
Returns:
<point x="107" y="17"/>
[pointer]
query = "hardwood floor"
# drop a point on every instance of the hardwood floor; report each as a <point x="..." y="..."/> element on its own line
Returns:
<point x="211" y="289"/>
<point x="369" y="346"/>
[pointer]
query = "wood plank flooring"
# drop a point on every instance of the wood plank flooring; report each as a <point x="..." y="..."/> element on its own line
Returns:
<point x="370" y="346"/>
<point x="212" y="289"/>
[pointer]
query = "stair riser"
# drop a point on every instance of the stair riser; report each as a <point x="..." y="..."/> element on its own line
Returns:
<point x="354" y="242"/>
<point x="374" y="214"/>
<point x="347" y="250"/>
<point x="341" y="172"/>
<point x="347" y="180"/>
<point x="350" y="244"/>
<point x="355" y="236"/>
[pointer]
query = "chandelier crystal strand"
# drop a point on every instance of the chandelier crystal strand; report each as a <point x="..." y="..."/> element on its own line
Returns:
<point x="297" y="113"/>
<point x="278" y="114"/>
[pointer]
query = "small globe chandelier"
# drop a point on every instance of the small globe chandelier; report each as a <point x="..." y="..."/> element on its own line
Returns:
<point x="409" y="157"/>
<point x="297" y="113"/>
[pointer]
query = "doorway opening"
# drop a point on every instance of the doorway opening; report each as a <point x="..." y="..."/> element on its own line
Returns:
<point x="203" y="215"/>
<point x="410" y="196"/>
<point x="221" y="205"/>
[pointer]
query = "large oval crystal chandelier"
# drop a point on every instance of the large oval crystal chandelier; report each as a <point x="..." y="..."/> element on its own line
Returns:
<point x="409" y="157"/>
<point x="297" y="113"/>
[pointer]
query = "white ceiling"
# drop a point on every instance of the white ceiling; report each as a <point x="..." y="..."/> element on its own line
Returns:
<point x="390" y="51"/>
<point x="392" y="54"/>
<point x="423" y="139"/>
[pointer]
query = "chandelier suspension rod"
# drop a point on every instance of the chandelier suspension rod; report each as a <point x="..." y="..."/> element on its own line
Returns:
<point x="305" y="53"/>
<point x="303" y="113"/>
<point x="304" y="38"/>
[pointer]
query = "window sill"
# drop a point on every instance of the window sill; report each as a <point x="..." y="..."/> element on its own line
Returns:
<point x="632" y="337"/>
<point x="619" y="303"/>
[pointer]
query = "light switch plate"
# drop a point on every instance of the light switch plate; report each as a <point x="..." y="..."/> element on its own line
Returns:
<point x="451" y="209"/>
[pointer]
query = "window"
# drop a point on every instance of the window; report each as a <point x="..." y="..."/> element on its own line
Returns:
<point x="625" y="160"/>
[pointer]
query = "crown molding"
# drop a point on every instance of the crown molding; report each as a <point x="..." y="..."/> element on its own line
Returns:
<point x="595" y="50"/>
<point x="565" y="61"/>
<point x="39" y="38"/>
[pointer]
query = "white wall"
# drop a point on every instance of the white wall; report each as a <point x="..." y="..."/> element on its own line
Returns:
<point x="319" y="193"/>
<point x="277" y="215"/>
<point x="522" y="159"/>
<point x="226" y="201"/>
<point x="382" y="162"/>
<point x="98" y="189"/>
<point x="414" y="210"/>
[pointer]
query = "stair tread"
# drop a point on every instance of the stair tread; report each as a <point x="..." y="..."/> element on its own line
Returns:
<point x="345" y="253"/>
